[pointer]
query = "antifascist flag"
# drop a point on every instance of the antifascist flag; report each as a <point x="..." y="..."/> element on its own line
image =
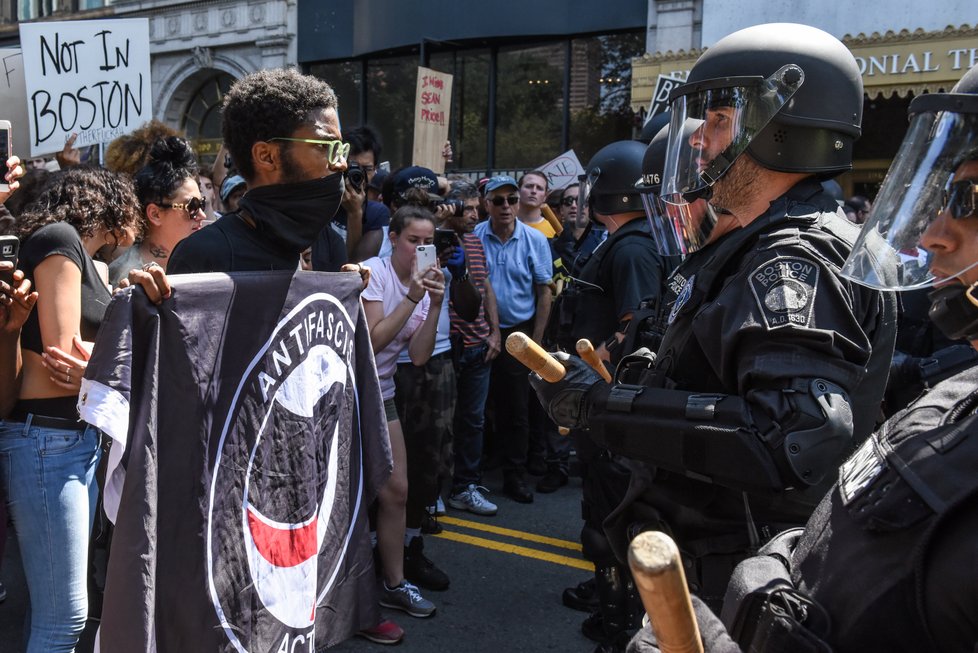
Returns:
<point x="248" y="437"/>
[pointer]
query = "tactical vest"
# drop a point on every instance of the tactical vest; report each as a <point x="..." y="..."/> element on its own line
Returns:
<point x="863" y="551"/>
<point x="585" y="295"/>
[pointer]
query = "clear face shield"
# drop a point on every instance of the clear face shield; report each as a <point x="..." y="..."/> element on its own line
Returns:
<point x="934" y="178"/>
<point x="728" y="113"/>
<point x="679" y="229"/>
<point x="587" y="182"/>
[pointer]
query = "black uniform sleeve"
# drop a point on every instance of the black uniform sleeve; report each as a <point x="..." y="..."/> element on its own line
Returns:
<point x="783" y="339"/>
<point x="950" y="599"/>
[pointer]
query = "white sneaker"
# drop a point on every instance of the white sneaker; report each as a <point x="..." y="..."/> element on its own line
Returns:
<point x="472" y="499"/>
<point x="406" y="597"/>
<point x="437" y="509"/>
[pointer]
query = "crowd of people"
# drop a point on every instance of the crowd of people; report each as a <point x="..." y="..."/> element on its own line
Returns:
<point x="746" y="323"/>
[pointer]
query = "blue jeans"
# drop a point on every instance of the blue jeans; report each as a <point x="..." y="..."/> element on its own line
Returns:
<point x="472" y="381"/>
<point x="48" y="477"/>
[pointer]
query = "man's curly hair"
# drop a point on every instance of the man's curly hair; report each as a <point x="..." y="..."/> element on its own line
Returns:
<point x="86" y="197"/>
<point x="267" y="104"/>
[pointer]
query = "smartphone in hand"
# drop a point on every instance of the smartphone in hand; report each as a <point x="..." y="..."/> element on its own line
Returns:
<point x="9" y="246"/>
<point x="6" y="150"/>
<point x="426" y="257"/>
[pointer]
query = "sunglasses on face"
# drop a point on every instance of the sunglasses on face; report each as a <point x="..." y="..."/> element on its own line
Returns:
<point x="192" y="207"/>
<point x="961" y="199"/>
<point x="336" y="151"/>
<point x="499" y="201"/>
<point x="570" y="200"/>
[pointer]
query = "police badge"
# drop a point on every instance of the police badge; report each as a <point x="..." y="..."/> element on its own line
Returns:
<point x="785" y="291"/>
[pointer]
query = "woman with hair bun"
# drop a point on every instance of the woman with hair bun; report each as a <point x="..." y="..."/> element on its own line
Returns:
<point x="171" y="204"/>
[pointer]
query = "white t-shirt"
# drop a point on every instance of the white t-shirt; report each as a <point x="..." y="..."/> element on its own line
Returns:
<point x="385" y="287"/>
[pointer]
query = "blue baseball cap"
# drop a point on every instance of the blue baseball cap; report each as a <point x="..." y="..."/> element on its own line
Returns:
<point x="229" y="185"/>
<point x="500" y="182"/>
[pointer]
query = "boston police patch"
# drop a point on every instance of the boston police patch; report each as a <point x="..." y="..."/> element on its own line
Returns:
<point x="785" y="291"/>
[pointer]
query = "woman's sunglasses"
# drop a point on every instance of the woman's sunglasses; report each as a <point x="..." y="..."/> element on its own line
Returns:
<point x="569" y="200"/>
<point x="192" y="207"/>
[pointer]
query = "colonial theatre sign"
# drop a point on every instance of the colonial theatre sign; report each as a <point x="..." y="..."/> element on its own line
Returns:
<point x="907" y="62"/>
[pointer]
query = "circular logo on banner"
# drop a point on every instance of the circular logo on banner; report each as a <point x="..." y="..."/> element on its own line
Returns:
<point x="286" y="482"/>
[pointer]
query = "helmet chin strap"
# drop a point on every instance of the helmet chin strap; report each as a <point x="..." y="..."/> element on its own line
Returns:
<point x="954" y="310"/>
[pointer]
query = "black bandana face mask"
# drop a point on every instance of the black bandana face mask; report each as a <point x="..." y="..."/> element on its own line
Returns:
<point x="293" y="214"/>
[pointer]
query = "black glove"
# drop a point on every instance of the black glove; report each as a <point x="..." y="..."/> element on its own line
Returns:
<point x="564" y="400"/>
<point x="714" y="635"/>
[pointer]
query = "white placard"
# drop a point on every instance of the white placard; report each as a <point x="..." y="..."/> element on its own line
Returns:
<point x="89" y="77"/>
<point x="13" y="99"/>
<point x="562" y="171"/>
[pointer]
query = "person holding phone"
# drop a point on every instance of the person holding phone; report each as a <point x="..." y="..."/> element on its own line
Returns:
<point x="49" y="474"/>
<point x="402" y="303"/>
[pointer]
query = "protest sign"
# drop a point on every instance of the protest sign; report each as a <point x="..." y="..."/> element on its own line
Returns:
<point x="660" y="98"/>
<point x="432" y="110"/>
<point x="562" y="171"/>
<point x="86" y="76"/>
<point x="13" y="99"/>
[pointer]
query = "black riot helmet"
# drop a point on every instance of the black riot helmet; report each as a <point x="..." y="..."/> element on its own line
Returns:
<point x="789" y="95"/>
<point x="608" y="182"/>
<point x="653" y="126"/>
<point x="679" y="229"/>
<point x="930" y="189"/>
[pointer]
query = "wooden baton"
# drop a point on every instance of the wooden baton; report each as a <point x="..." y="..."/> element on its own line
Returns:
<point x="586" y="351"/>
<point x="552" y="219"/>
<point x="661" y="582"/>
<point x="523" y="349"/>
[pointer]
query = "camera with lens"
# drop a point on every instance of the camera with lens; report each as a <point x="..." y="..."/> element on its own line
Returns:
<point x="355" y="176"/>
<point x="458" y="206"/>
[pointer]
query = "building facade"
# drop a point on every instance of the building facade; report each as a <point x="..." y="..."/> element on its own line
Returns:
<point x="197" y="49"/>
<point x="901" y="51"/>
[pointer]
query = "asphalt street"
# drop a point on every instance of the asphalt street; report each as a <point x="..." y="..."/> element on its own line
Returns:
<point x="507" y="573"/>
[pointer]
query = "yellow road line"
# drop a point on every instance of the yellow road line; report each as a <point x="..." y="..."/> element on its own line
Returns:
<point x="508" y="532"/>
<point x="524" y="551"/>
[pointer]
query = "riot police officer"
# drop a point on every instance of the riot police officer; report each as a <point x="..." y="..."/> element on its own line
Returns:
<point x="605" y="290"/>
<point x="772" y="366"/>
<point x="886" y="562"/>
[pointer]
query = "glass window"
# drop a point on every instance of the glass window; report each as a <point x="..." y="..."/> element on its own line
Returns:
<point x="529" y="101"/>
<point x="346" y="80"/>
<point x="600" y="94"/>
<point x="470" y="106"/>
<point x="391" y="84"/>
<point x="202" y="119"/>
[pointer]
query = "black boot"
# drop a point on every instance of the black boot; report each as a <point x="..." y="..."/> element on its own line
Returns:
<point x="581" y="597"/>
<point x="615" y="617"/>
<point x="420" y="570"/>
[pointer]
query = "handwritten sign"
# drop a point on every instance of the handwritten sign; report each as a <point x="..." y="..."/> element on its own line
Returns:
<point x="660" y="98"/>
<point x="432" y="109"/>
<point x="13" y="99"/>
<point x="89" y="77"/>
<point x="563" y="171"/>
